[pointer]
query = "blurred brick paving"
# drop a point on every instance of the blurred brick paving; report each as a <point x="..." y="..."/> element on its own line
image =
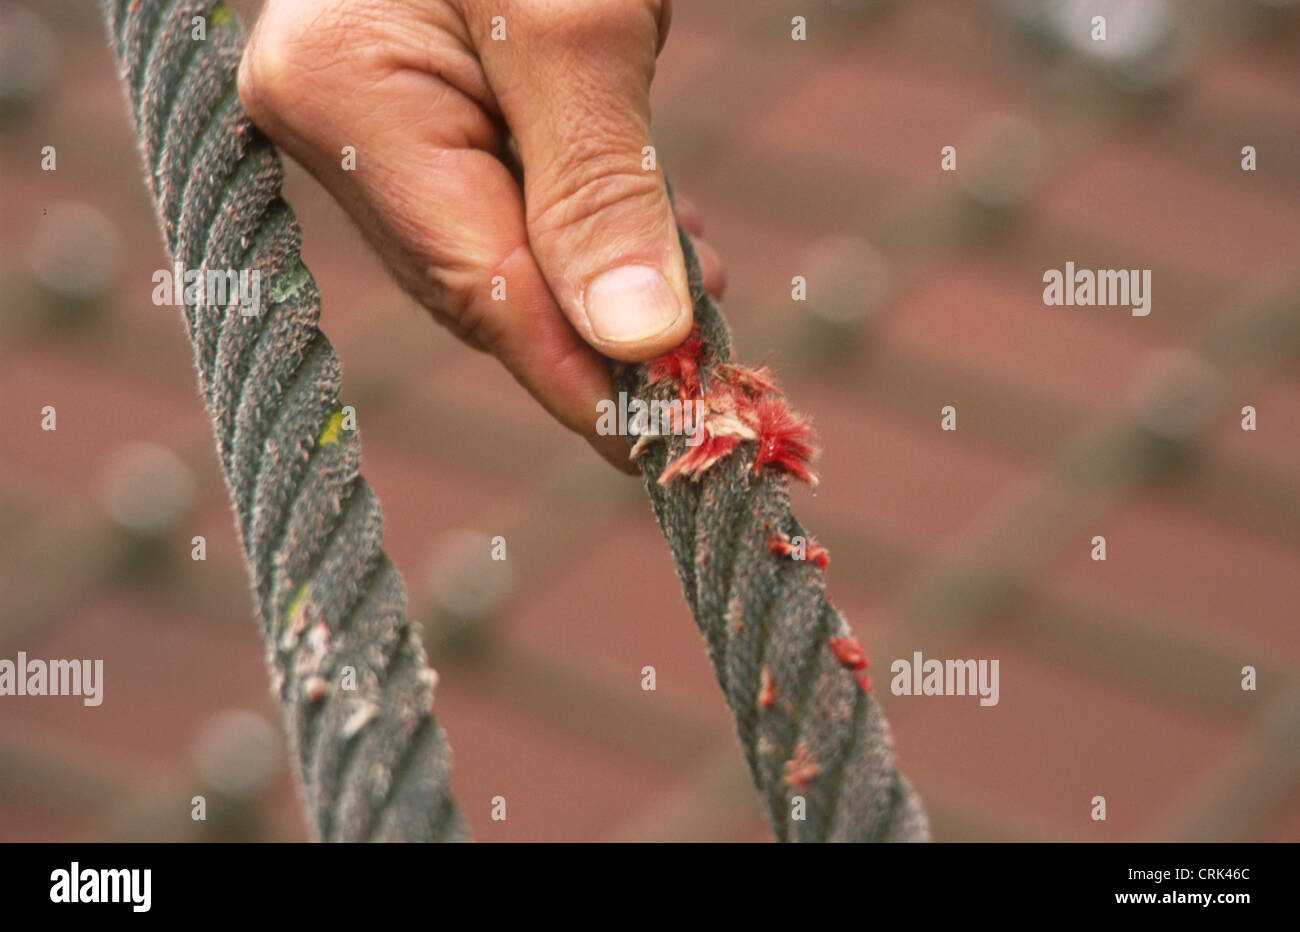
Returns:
<point x="819" y="158"/>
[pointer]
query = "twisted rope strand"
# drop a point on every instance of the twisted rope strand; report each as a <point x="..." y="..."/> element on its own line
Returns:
<point x="372" y="762"/>
<point x="785" y="658"/>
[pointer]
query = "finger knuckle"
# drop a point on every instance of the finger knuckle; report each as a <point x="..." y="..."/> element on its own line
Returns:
<point x="266" y="78"/>
<point x="285" y="61"/>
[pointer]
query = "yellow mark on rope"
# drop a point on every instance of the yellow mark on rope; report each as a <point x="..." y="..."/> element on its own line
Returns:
<point x="330" y="434"/>
<point x="295" y="607"/>
<point x="221" y="15"/>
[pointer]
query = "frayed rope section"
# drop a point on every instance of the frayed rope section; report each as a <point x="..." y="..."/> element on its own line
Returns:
<point x="739" y="404"/>
<point x="791" y="670"/>
<point x="746" y="404"/>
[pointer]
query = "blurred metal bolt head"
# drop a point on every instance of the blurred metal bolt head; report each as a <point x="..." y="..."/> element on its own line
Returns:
<point x="467" y="583"/>
<point x="1005" y="161"/>
<point x="848" y="280"/>
<point x="1135" y="29"/>
<point x="146" y="488"/>
<point x="237" y="753"/>
<point x="1147" y="45"/>
<point x="75" y="252"/>
<point x="28" y="57"/>
<point x="1176" y="393"/>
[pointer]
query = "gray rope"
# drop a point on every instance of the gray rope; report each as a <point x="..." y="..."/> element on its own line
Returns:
<point x="817" y="734"/>
<point x="373" y="763"/>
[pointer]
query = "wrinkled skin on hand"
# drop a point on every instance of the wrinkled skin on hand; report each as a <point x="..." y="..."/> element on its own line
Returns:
<point x="514" y="161"/>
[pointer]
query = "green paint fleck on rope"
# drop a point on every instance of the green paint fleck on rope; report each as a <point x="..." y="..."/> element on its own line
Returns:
<point x="330" y="433"/>
<point x="295" y="606"/>
<point x="291" y="282"/>
<point x="221" y="15"/>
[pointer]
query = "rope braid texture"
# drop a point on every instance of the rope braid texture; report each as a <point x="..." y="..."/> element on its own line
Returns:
<point x="792" y="672"/>
<point x="373" y="763"/>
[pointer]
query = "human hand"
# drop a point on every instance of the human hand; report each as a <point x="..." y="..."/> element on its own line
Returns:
<point x="478" y="157"/>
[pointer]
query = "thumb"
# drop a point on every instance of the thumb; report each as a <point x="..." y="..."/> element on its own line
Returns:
<point x="573" y="83"/>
